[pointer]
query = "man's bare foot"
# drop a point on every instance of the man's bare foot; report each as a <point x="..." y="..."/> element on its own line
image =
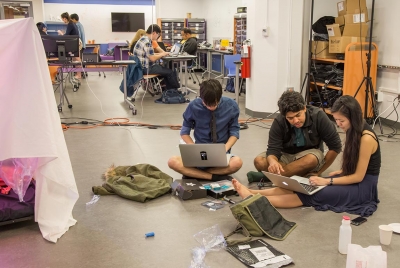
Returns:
<point x="243" y="191"/>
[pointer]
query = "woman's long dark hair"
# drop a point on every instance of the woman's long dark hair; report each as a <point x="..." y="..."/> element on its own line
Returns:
<point x="350" y="108"/>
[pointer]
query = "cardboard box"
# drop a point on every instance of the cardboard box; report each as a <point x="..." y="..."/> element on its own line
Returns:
<point x="320" y="49"/>
<point x="355" y="5"/>
<point x="341" y="8"/>
<point x="351" y="19"/>
<point x="334" y="30"/>
<point x="351" y="7"/>
<point x="355" y="18"/>
<point x="188" y="189"/>
<point x="359" y="29"/>
<point x="338" y="44"/>
<point x="338" y="41"/>
<point x="340" y="20"/>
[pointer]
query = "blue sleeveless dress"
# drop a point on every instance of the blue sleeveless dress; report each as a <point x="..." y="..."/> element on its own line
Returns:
<point x="359" y="198"/>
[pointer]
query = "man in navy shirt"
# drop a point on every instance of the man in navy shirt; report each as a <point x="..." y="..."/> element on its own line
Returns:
<point x="197" y="116"/>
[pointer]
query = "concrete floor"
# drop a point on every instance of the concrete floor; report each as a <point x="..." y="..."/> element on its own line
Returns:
<point x="111" y="232"/>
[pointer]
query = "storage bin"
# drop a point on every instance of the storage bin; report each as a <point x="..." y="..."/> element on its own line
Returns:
<point x="195" y="24"/>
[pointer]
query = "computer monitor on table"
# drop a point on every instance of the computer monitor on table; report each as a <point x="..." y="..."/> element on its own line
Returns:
<point x="63" y="47"/>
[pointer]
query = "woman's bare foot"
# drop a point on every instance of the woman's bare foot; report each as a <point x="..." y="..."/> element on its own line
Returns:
<point x="242" y="190"/>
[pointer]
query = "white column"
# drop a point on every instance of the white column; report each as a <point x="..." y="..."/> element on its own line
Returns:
<point x="276" y="60"/>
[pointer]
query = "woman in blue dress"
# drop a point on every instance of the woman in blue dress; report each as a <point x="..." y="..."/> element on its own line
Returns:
<point x="353" y="189"/>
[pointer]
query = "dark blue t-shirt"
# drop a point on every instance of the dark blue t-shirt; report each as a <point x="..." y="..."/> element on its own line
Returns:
<point x="198" y="118"/>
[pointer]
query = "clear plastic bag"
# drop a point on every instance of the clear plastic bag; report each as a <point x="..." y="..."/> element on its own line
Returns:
<point x="211" y="239"/>
<point x="198" y="255"/>
<point x="17" y="173"/>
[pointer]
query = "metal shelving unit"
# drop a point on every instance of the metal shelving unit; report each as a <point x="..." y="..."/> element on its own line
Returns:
<point x="198" y="27"/>
<point x="239" y="31"/>
<point x="171" y="30"/>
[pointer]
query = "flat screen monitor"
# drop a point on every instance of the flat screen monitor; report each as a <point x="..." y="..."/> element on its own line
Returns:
<point x="127" y="22"/>
<point x="62" y="47"/>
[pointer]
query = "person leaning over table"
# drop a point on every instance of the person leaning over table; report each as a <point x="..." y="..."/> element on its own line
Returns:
<point x="296" y="137"/>
<point x="145" y="52"/>
<point x="198" y="116"/>
<point x="139" y="34"/>
<point x="352" y="189"/>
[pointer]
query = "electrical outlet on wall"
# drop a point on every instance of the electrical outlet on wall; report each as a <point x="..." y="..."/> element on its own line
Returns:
<point x="379" y="96"/>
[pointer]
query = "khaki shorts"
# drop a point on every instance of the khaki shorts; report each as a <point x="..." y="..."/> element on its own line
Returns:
<point x="289" y="158"/>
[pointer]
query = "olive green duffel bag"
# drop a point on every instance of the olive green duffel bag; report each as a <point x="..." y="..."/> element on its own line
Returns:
<point x="257" y="217"/>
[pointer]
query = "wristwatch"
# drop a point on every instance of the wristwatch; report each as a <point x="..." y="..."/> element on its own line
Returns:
<point x="331" y="182"/>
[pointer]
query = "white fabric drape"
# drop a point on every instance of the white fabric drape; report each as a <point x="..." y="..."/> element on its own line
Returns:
<point x="30" y="125"/>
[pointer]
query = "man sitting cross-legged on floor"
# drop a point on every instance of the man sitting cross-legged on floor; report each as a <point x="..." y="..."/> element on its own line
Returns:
<point x="295" y="144"/>
<point x="198" y="116"/>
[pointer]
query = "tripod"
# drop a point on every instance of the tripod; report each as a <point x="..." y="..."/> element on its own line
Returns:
<point x="369" y="88"/>
<point x="308" y="74"/>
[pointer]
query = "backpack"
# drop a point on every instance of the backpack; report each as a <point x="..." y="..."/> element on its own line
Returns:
<point x="320" y="25"/>
<point x="257" y="217"/>
<point x="172" y="96"/>
<point x="230" y="85"/>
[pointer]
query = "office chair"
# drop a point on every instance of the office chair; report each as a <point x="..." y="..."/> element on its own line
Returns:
<point x="136" y="79"/>
<point x="231" y="67"/>
<point x="190" y="70"/>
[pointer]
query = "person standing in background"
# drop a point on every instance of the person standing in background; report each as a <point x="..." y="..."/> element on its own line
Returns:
<point x="72" y="29"/>
<point x="75" y="19"/>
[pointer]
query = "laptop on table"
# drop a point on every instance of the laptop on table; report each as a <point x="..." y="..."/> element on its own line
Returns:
<point x="175" y="50"/>
<point x="294" y="183"/>
<point x="204" y="155"/>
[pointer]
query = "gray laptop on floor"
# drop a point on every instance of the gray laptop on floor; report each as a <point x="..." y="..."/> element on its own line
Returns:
<point x="294" y="183"/>
<point x="204" y="155"/>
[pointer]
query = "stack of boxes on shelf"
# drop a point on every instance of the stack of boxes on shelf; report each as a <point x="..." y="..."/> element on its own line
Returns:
<point x="351" y="25"/>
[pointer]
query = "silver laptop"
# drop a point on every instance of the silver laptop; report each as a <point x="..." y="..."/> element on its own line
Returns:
<point x="204" y="155"/>
<point x="294" y="183"/>
<point x="175" y="50"/>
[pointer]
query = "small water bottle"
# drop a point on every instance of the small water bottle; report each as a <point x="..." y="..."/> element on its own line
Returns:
<point x="344" y="235"/>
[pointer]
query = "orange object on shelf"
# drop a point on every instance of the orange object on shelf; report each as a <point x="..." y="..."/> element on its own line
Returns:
<point x="356" y="69"/>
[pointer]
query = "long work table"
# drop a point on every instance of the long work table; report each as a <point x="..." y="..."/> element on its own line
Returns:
<point x="68" y="67"/>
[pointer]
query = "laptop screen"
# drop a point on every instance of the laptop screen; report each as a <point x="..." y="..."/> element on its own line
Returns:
<point x="176" y="48"/>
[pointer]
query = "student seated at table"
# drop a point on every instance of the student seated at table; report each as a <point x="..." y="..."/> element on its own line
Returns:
<point x="145" y="52"/>
<point x="139" y="34"/>
<point x="189" y="43"/>
<point x="353" y="188"/>
<point x="42" y="28"/>
<point x="198" y="116"/>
